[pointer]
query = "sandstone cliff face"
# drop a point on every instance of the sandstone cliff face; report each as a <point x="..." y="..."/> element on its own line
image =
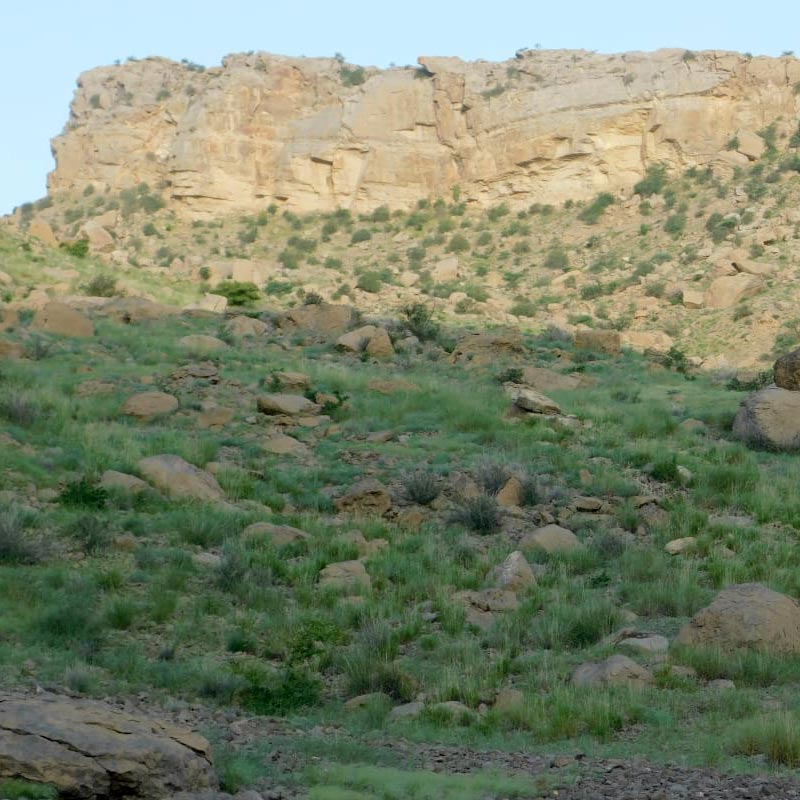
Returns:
<point x="544" y="127"/>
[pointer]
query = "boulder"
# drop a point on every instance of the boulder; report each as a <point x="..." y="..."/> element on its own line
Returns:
<point x="746" y="616"/>
<point x="281" y="445"/>
<point x="242" y="326"/>
<point x="380" y="345"/>
<point x="100" y="240"/>
<point x="279" y="535"/>
<point x="356" y="341"/>
<point x="511" y="495"/>
<point x="215" y="303"/>
<point x="482" y="606"/>
<point x="368" y="496"/>
<point x="146" y="405"/>
<point x="446" y="270"/>
<point x="88" y="749"/>
<point x="547" y="380"/>
<point x="727" y="291"/>
<point x="750" y="144"/>
<point x="42" y="231"/>
<point x="60" y="319"/>
<point x="345" y="575"/>
<point x="693" y="298"/>
<point x="614" y="671"/>
<point x="130" y="310"/>
<point x="287" y="404"/>
<point x="598" y="341"/>
<point x="787" y="371"/>
<point x="514" y="573"/>
<point x="676" y="547"/>
<point x="180" y="479"/>
<point x="648" y="341"/>
<point x="550" y="538"/>
<point x="646" y="645"/>
<point x="291" y="381"/>
<point x="215" y="417"/>
<point x="526" y="399"/>
<point x="111" y="479"/>
<point x="324" y="320"/>
<point x="200" y="343"/>
<point x="487" y="348"/>
<point x="769" y="418"/>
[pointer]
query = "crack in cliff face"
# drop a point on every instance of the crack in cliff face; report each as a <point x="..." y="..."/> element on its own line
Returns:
<point x="488" y="123"/>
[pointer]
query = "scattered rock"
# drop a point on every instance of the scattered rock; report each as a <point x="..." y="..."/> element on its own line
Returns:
<point x="289" y="404"/>
<point x="727" y="291"/>
<point x="527" y="399"/>
<point x="598" y="341"/>
<point x="514" y="573"/>
<point x="646" y="645"/>
<point x="215" y="417"/>
<point x="322" y="319"/>
<point x="481" y="606"/>
<point x="510" y="496"/>
<point x="487" y="348"/>
<point x="368" y="496"/>
<point x="111" y="479"/>
<point x="345" y="575"/>
<point x="281" y="445"/>
<point x="746" y="616"/>
<point x="180" y="479"/>
<point x="787" y="371"/>
<point x="147" y="405"/>
<point x="61" y="320"/>
<point x="676" y="547"/>
<point x="88" y="749"/>
<point x="200" y="343"/>
<point x="278" y="535"/>
<point x="614" y="671"/>
<point x="241" y="327"/>
<point x="290" y="382"/>
<point x="770" y="418"/>
<point x="550" y="538"/>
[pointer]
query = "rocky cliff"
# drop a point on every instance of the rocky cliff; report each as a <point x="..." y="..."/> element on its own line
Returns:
<point x="312" y="134"/>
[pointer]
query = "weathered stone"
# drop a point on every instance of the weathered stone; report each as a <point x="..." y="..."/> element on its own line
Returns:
<point x="527" y="399"/>
<point x="727" y="291"/>
<point x="693" y="298"/>
<point x="770" y="418"/>
<point x="88" y="749"/>
<point x="288" y="404"/>
<point x="511" y="495"/>
<point x="550" y="538"/>
<point x="62" y="320"/>
<point x="345" y="575"/>
<point x="547" y="380"/>
<point x="380" y="345"/>
<point x="787" y="371"/>
<point x="514" y="573"/>
<point x="748" y="616"/>
<point x="279" y="535"/>
<point x="111" y="479"/>
<point x="487" y="348"/>
<point x="291" y="381"/>
<point x="42" y="231"/>
<point x="322" y="319"/>
<point x="614" y="671"/>
<point x="356" y="341"/>
<point x="147" y="405"/>
<point x="242" y="326"/>
<point x="406" y="711"/>
<point x="215" y="417"/>
<point x="647" y="645"/>
<point x="281" y="445"/>
<point x="482" y="606"/>
<point x="179" y="479"/>
<point x="677" y="547"/>
<point x="598" y="341"/>
<point x="368" y="496"/>
<point x="100" y="240"/>
<point x="200" y="343"/>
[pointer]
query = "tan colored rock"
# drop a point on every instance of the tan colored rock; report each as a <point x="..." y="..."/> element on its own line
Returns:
<point x="599" y="341"/>
<point x="146" y="405"/>
<point x="278" y="535"/>
<point x="614" y="671"/>
<point x="727" y="291"/>
<point x="356" y="341"/>
<point x="550" y="538"/>
<point x="216" y="417"/>
<point x="750" y="267"/>
<point x="111" y="479"/>
<point x="514" y="573"/>
<point x="242" y="326"/>
<point x="527" y="399"/>
<point x="281" y="445"/>
<point x="132" y="310"/>
<point x="291" y="381"/>
<point x="326" y="320"/>
<point x="787" y="371"/>
<point x="42" y="231"/>
<point x="487" y="348"/>
<point x="200" y="343"/>
<point x="288" y="404"/>
<point x="321" y="145"/>
<point x="179" y="479"/>
<point x="216" y="303"/>
<point x="368" y="496"/>
<point x="346" y="575"/>
<point x="510" y="496"/>
<point x="10" y="350"/>
<point x="547" y="380"/>
<point x="380" y="345"/>
<point x="88" y="749"/>
<point x="483" y="606"/>
<point x="62" y="320"/>
<point x="769" y="418"/>
<point x="100" y="240"/>
<point x="746" y="616"/>
<point x="750" y="145"/>
<point x="693" y="298"/>
<point x="648" y="341"/>
<point x="677" y="547"/>
<point x="446" y="270"/>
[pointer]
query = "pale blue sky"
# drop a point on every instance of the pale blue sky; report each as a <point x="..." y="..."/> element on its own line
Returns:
<point x="47" y="44"/>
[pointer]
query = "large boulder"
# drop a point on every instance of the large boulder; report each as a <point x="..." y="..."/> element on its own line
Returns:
<point x="514" y="573"/>
<point x="727" y="291"/>
<point x="526" y="399"/>
<point x="242" y="326"/>
<point x="130" y="310"/>
<point x="487" y="348"/>
<point x="770" y="418"/>
<point x="287" y="404"/>
<point x="598" y="341"/>
<point x="747" y="615"/>
<point x="146" y="405"/>
<point x="87" y="749"/>
<point x="180" y="479"/>
<point x="348" y="575"/>
<point x="550" y="538"/>
<point x="614" y="671"/>
<point x="62" y="320"/>
<point x="368" y="496"/>
<point x="325" y="320"/>
<point x="201" y="343"/>
<point x="787" y="371"/>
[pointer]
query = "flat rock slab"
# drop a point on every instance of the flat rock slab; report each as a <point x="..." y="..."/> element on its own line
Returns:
<point x="146" y="405"/>
<point x="288" y="404"/>
<point x="62" y="320"/>
<point x="180" y="479"/>
<point x="88" y="749"/>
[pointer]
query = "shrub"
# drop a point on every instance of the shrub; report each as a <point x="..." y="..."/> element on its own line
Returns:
<point x="371" y="282"/>
<point x="492" y="476"/>
<point x="419" y="320"/>
<point x="280" y="693"/>
<point x="556" y="258"/>
<point x="276" y="288"/>
<point x="776" y="737"/>
<point x="101" y="286"/>
<point x="458" y="243"/>
<point x="591" y="214"/>
<point x="78" y="248"/>
<point x="655" y="178"/>
<point x="17" y="546"/>
<point x="719" y="227"/>
<point x="239" y="293"/>
<point x="480" y="514"/>
<point x="91" y="531"/>
<point x="675" y="224"/>
<point x="421" y="486"/>
<point x="360" y="235"/>
<point x="523" y="307"/>
<point x="19" y="411"/>
<point x="352" y="76"/>
<point x="83" y="493"/>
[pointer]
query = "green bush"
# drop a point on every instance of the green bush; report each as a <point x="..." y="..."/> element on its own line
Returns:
<point x="83" y="493"/>
<point x="556" y="258"/>
<point x="458" y="243"/>
<point x="480" y="514"/>
<point x="79" y="248"/>
<point x="371" y="282"/>
<point x="654" y="181"/>
<point x="101" y="286"/>
<point x="418" y="318"/>
<point x="352" y="76"/>
<point x="591" y="214"/>
<point x="422" y="486"/>
<point x="239" y="293"/>
<point x="360" y="235"/>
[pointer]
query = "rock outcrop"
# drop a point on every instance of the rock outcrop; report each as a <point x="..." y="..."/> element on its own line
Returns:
<point x="769" y="418"/>
<point x="88" y="749"/>
<point x="315" y="134"/>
